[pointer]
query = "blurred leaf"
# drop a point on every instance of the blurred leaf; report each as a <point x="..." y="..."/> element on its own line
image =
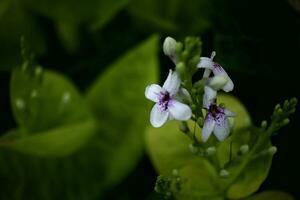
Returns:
<point x="169" y="149"/>
<point x="117" y="99"/>
<point x="61" y="141"/>
<point x="119" y="104"/>
<point x="246" y="173"/>
<point x="43" y="100"/>
<point x="274" y="195"/>
<point x="69" y="16"/>
<point x="172" y="16"/>
<point x="15" y="22"/>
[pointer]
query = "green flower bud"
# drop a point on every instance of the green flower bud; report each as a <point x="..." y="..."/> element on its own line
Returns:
<point x="211" y="150"/>
<point x="169" y="46"/>
<point x="224" y="173"/>
<point x="285" y="122"/>
<point x="193" y="149"/>
<point x="244" y="148"/>
<point x="272" y="150"/>
<point x="264" y="124"/>
<point x="180" y="69"/>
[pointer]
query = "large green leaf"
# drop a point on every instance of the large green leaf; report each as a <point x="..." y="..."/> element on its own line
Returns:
<point x="274" y="195"/>
<point x="53" y="118"/>
<point x="43" y="99"/>
<point x="117" y="99"/>
<point x="119" y="104"/>
<point x="61" y="141"/>
<point x="169" y="149"/>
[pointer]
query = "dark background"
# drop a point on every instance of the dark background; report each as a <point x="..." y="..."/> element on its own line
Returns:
<point x="258" y="42"/>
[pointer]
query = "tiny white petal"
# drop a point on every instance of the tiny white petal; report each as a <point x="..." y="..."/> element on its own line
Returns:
<point x="205" y="63"/>
<point x="209" y="96"/>
<point x="152" y="92"/>
<point x="172" y="83"/>
<point x="222" y="129"/>
<point x="184" y="95"/>
<point x="158" y="116"/>
<point x="180" y="111"/>
<point x="229" y="85"/>
<point x="208" y="127"/>
<point x="229" y="113"/>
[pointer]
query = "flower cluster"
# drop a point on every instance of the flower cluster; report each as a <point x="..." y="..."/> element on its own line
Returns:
<point x="176" y="99"/>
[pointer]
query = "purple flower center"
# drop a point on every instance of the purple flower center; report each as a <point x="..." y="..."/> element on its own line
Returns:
<point x="164" y="100"/>
<point x="216" y="112"/>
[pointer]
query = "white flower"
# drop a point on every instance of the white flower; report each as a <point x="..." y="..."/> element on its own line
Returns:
<point x="167" y="106"/>
<point x="210" y="66"/>
<point x="217" y="122"/>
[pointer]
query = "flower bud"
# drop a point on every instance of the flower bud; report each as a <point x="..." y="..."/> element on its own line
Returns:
<point x="211" y="150"/>
<point x="272" y="150"/>
<point x="218" y="82"/>
<point x="264" y="124"/>
<point x="244" y="148"/>
<point x="169" y="46"/>
<point x="180" y="69"/>
<point x="193" y="149"/>
<point x="224" y="173"/>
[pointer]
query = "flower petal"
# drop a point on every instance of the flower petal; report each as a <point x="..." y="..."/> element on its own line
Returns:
<point x="179" y="111"/>
<point x="209" y="96"/>
<point x="206" y="63"/>
<point x="172" y="83"/>
<point x="208" y="127"/>
<point x="218" y="71"/>
<point x="222" y="128"/>
<point x="229" y="113"/>
<point x="152" y="92"/>
<point x="158" y="116"/>
<point x="229" y="85"/>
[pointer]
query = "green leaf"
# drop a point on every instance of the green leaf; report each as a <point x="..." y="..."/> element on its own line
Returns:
<point x="53" y="118"/>
<point x="109" y="156"/>
<point x="43" y="99"/>
<point x="117" y="99"/>
<point x="274" y="195"/>
<point x="58" y="142"/>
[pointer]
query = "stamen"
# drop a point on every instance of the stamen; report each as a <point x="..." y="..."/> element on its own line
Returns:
<point x="213" y="54"/>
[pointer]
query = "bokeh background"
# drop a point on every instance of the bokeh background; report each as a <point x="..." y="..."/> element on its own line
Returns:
<point x="258" y="42"/>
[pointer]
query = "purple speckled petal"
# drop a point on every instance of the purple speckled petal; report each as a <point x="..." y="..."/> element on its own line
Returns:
<point x="158" y="116"/>
<point x="152" y="92"/>
<point x="222" y="128"/>
<point x="208" y="127"/>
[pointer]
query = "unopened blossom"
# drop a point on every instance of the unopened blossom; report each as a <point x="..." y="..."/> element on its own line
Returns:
<point x="217" y="122"/>
<point x="166" y="101"/>
<point x="210" y="66"/>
